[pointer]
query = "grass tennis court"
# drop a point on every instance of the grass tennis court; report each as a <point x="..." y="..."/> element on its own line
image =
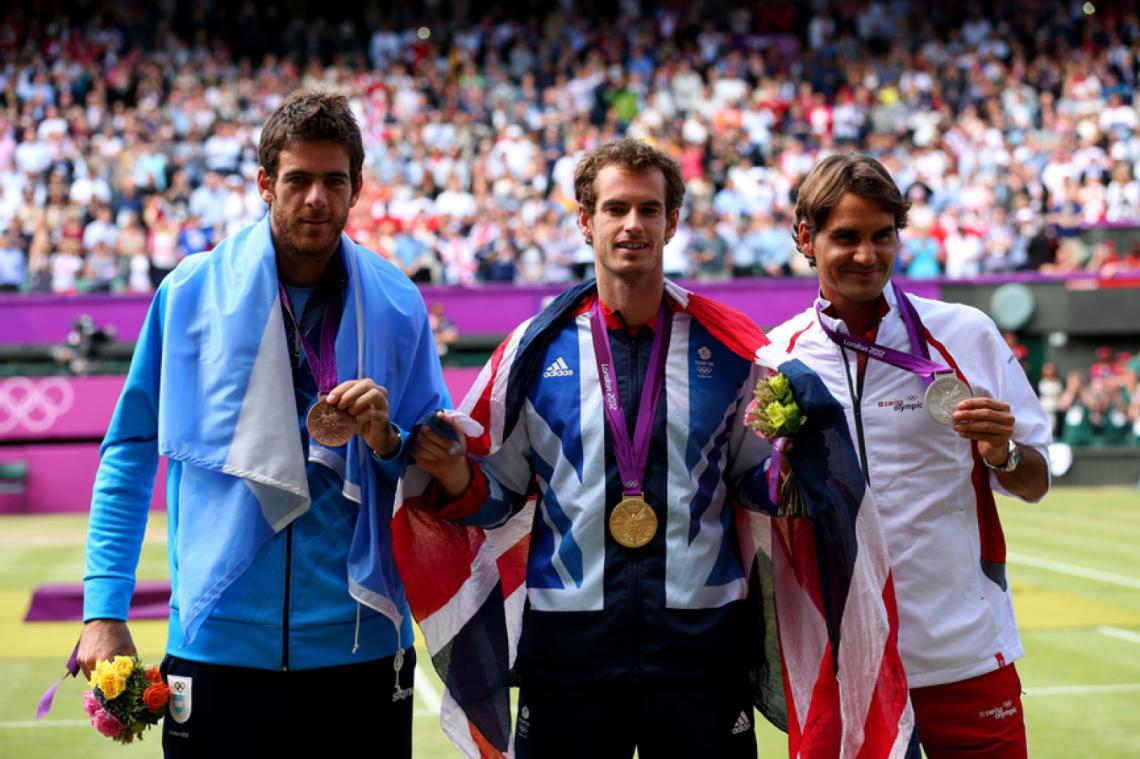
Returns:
<point x="1074" y="565"/>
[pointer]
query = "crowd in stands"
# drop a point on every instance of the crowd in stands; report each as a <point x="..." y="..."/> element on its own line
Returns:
<point x="1100" y="407"/>
<point x="128" y="133"/>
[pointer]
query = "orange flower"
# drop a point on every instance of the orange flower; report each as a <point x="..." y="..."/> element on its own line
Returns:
<point x="153" y="674"/>
<point x="156" y="696"/>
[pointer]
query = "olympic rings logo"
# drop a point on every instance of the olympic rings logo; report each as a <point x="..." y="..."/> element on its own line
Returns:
<point x="34" y="406"/>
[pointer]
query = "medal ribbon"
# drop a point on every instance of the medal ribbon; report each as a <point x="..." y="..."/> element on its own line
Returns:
<point x="631" y="458"/>
<point x="918" y="364"/>
<point x="323" y="365"/>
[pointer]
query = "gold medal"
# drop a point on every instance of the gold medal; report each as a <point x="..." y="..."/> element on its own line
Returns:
<point x="329" y="425"/>
<point x="632" y="522"/>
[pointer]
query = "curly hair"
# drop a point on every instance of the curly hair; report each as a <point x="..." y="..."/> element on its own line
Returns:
<point x="633" y="155"/>
<point x="311" y="116"/>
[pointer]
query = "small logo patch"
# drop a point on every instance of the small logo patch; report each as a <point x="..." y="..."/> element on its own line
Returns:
<point x="559" y="368"/>
<point x="743" y="724"/>
<point x="704" y="362"/>
<point x="524" y="721"/>
<point x="1007" y="709"/>
<point x="180" y="702"/>
<point x="909" y="403"/>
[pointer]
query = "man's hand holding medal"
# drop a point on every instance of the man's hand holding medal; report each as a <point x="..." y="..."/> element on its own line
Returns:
<point x="355" y="407"/>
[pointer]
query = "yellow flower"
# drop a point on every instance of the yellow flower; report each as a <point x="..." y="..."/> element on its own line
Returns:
<point x="778" y="383"/>
<point x="775" y="412"/>
<point x="111" y="684"/>
<point x="99" y="669"/>
<point x="123" y="666"/>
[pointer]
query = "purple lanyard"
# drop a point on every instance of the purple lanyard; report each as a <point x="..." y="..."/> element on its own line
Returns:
<point x="631" y="458"/>
<point x="918" y="364"/>
<point x="323" y="365"/>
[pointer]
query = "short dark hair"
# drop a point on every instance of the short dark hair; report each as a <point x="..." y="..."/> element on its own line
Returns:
<point x="835" y="175"/>
<point x="311" y="116"/>
<point x="633" y="155"/>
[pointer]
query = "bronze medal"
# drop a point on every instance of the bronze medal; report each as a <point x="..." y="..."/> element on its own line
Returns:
<point x="330" y="426"/>
<point x="632" y="522"/>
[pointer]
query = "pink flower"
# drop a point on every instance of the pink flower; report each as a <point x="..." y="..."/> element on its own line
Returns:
<point x="106" y="723"/>
<point x="90" y="704"/>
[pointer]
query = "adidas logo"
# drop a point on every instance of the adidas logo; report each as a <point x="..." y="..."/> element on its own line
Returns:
<point x="559" y="368"/>
<point x="743" y="724"/>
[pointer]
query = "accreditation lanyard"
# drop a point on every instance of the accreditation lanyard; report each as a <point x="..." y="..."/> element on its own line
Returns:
<point x="323" y="365"/>
<point x="631" y="457"/>
<point x="918" y="363"/>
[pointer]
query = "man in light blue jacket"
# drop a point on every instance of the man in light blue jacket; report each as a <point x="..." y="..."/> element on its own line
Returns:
<point x="278" y="374"/>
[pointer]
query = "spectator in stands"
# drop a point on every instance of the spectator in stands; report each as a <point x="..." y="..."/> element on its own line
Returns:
<point x="13" y="264"/>
<point x="66" y="266"/>
<point x="193" y="238"/>
<point x="498" y="264"/>
<point x="443" y="330"/>
<point x="770" y="244"/>
<point x="101" y="269"/>
<point x="1049" y="390"/>
<point x="709" y="250"/>
<point x="1108" y="410"/>
<point x="1103" y="364"/>
<point x="919" y="255"/>
<point x="1019" y="351"/>
<point x="413" y="252"/>
<point x="101" y="229"/>
<point x="1075" y="403"/>
<point x="208" y="202"/>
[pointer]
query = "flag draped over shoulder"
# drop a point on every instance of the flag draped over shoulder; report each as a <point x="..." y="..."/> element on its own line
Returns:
<point x="221" y="402"/>
<point x="834" y="594"/>
<point x="466" y="586"/>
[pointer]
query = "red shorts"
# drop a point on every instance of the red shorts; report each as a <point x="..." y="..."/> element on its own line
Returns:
<point x="979" y="717"/>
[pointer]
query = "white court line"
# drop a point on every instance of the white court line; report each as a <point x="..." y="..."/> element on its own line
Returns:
<point x="1116" y="632"/>
<point x="427" y="692"/>
<point x="1073" y="570"/>
<point x="1078" y="690"/>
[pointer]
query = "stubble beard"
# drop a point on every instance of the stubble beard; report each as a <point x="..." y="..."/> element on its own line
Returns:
<point x="630" y="272"/>
<point x="287" y="239"/>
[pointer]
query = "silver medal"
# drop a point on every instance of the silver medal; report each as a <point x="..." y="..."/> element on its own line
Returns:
<point x="943" y="396"/>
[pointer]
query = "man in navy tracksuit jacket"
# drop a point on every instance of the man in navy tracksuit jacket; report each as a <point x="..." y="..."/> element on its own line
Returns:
<point x="648" y="645"/>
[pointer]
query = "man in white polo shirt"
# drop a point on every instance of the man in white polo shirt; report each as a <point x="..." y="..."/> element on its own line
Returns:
<point x="942" y="415"/>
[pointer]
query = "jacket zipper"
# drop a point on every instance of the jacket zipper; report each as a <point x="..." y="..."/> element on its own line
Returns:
<point x="285" y="604"/>
<point x="635" y="382"/>
<point x="857" y="410"/>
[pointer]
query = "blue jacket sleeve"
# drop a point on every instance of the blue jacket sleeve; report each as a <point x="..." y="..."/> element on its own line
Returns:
<point x="124" y="482"/>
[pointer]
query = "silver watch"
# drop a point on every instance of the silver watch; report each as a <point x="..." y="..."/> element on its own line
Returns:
<point x="1011" y="461"/>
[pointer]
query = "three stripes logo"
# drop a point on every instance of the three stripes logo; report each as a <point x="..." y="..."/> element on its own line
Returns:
<point x="743" y="724"/>
<point x="558" y="368"/>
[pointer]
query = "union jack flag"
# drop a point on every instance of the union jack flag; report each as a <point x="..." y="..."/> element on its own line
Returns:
<point x="821" y="580"/>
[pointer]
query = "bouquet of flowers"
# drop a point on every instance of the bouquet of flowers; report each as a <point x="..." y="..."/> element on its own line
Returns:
<point x="774" y="415"/>
<point x="773" y="411"/>
<point x="125" y="698"/>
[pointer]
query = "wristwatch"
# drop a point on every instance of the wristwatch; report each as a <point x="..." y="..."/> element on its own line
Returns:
<point x="1011" y="461"/>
